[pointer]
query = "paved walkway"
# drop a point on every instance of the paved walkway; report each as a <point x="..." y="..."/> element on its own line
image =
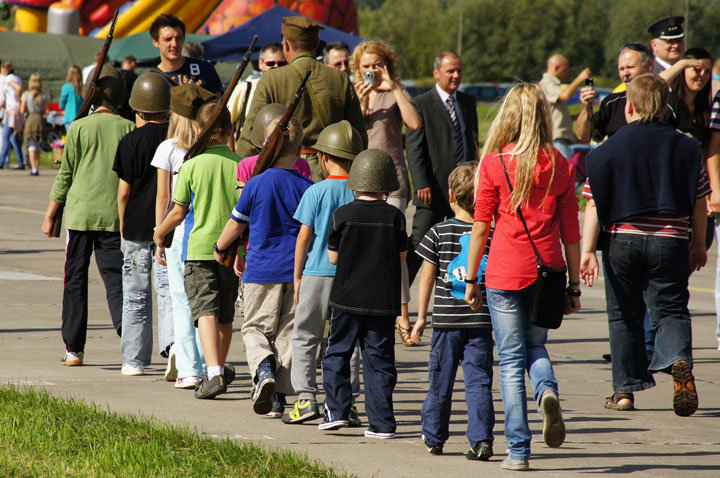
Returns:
<point x="649" y="442"/>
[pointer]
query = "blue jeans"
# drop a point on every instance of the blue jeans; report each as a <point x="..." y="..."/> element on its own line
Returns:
<point x="188" y="353"/>
<point x="521" y="346"/>
<point x="647" y="271"/>
<point x="563" y="147"/>
<point x="376" y="335"/>
<point x="474" y="348"/>
<point x="10" y="138"/>
<point x="137" y="333"/>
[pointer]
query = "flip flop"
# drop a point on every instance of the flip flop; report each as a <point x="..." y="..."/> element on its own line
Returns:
<point x="613" y="402"/>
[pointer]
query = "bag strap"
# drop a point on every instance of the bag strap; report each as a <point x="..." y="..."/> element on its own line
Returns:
<point x="519" y="211"/>
<point x="311" y="93"/>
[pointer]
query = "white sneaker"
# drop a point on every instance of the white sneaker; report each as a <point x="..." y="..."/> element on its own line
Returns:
<point x="187" y="383"/>
<point x="171" y="371"/>
<point x="131" y="371"/>
<point x="72" y="359"/>
<point x="384" y="435"/>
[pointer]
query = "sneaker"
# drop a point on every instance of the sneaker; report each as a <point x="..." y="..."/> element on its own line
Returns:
<point x="685" y="397"/>
<point x="262" y="397"/>
<point x="187" y="383"/>
<point x="353" y="418"/>
<point x="132" y="371"/>
<point x="278" y="407"/>
<point x="332" y="424"/>
<point x="72" y="359"/>
<point x="171" y="371"/>
<point x="482" y="451"/>
<point x="303" y="411"/>
<point x="383" y="435"/>
<point x="553" y="425"/>
<point x="229" y="373"/>
<point x="515" y="465"/>
<point x="210" y="387"/>
<point x="432" y="449"/>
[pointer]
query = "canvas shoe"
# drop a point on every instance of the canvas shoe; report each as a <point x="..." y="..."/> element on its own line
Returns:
<point x="187" y="383"/>
<point x="515" y="465"/>
<point x="553" y="425"/>
<point x="171" y="370"/>
<point x="432" y="449"/>
<point x="369" y="433"/>
<point x="72" y="359"/>
<point x="210" y="387"/>
<point x="262" y="397"/>
<point x="132" y="371"/>
<point x="328" y="424"/>
<point x="303" y="411"/>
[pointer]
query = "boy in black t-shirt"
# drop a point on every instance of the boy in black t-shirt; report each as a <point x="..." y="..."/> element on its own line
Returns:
<point x="460" y="335"/>
<point x="150" y="99"/>
<point x="367" y="242"/>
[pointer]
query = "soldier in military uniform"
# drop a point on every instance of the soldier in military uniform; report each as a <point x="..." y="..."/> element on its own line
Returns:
<point x="668" y="42"/>
<point x="329" y="96"/>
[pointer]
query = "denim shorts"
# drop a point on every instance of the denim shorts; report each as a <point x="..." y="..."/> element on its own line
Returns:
<point x="212" y="289"/>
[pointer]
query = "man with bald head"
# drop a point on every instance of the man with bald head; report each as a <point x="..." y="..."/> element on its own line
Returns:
<point x="634" y="59"/>
<point x="558" y="68"/>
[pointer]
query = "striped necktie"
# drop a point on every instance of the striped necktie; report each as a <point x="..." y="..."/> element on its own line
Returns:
<point x="460" y="147"/>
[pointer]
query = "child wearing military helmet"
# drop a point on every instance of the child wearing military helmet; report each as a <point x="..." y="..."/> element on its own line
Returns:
<point x="367" y="242"/>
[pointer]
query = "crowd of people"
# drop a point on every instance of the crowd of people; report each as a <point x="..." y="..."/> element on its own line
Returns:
<point x="313" y="229"/>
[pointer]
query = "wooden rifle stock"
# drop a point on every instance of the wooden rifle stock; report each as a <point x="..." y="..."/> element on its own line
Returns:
<point x="204" y="138"/>
<point x="93" y="91"/>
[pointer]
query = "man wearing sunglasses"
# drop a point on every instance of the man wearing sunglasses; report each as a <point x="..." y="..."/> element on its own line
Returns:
<point x="634" y="59"/>
<point x="271" y="56"/>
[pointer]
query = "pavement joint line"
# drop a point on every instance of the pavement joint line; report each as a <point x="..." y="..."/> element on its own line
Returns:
<point x="22" y="209"/>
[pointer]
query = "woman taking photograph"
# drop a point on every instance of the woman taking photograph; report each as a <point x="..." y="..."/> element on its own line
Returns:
<point x="71" y="95"/>
<point x="543" y="189"/>
<point x="386" y="107"/>
<point x="34" y="103"/>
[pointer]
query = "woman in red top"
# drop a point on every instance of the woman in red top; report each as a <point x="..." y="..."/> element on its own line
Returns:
<point x="544" y="189"/>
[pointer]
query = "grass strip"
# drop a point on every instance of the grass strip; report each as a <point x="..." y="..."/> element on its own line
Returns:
<point x="44" y="435"/>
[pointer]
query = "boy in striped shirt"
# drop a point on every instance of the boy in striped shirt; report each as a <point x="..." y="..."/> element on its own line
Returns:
<point x="459" y="333"/>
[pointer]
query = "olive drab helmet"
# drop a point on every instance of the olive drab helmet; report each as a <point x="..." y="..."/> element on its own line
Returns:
<point x="150" y="94"/>
<point x="340" y="140"/>
<point x="112" y="91"/>
<point x="373" y="171"/>
<point x="266" y="114"/>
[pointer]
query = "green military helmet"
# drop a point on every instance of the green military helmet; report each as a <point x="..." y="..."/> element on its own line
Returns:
<point x="112" y="91"/>
<point x="340" y="140"/>
<point x="266" y="114"/>
<point x="373" y="171"/>
<point x="150" y="94"/>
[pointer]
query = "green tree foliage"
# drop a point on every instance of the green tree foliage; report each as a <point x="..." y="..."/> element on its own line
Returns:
<point x="504" y="40"/>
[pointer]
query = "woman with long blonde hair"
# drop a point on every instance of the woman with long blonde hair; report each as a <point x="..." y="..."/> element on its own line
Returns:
<point x="71" y="95"/>
<point x="519" y="151"/>
<point x="185" y="101"/>
<point x="34" y="103"/>
<point x="386" y="106"/>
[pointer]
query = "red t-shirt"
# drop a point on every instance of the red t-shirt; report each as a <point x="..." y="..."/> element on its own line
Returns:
<point x="511" y="263"/>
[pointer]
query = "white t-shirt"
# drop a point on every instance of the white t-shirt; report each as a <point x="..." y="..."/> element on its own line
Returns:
<point x="12" y="101"/>
<point x="169" y="157"/>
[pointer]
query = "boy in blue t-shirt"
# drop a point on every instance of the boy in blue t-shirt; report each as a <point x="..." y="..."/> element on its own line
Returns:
<point x="338" y="144"/>
<point x="267" y="206"/>
<point x="460" y="335"/>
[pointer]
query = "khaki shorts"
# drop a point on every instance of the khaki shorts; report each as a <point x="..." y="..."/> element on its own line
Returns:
<point x="212" y="289"/>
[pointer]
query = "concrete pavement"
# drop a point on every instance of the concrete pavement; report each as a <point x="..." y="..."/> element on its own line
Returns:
<point x="649" y="442"/>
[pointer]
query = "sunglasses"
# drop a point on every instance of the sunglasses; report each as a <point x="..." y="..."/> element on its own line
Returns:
<point x="273" y="64"/>
<point x="635" y="46"/>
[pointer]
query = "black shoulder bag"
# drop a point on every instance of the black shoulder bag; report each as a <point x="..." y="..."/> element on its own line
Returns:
<point x="548" y="303"/>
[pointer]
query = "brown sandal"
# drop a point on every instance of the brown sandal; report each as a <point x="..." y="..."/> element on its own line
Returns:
<point x="405" y="336"/>
<point x="613" y="402"/>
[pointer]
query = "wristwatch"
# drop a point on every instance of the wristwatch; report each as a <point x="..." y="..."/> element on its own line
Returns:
<point x="218" y="250"/>
<point x="573" y="292"/>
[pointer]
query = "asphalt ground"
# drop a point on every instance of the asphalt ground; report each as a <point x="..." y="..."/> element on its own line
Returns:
<point x="651" y="441"/>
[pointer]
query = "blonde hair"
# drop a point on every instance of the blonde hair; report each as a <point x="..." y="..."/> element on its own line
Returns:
<point x="35" y="85"/>
<point x="294" y="135"/>
<point x="462" y="185"/>
<point x="380" y="49"/>
<point x="523" y="119"/>
<point x="182" y="129"/>
<point x="648" y="94"/>
<point x="74" y="76"/>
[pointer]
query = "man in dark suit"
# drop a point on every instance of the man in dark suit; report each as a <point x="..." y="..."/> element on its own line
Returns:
<point x="448" y="137"/>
